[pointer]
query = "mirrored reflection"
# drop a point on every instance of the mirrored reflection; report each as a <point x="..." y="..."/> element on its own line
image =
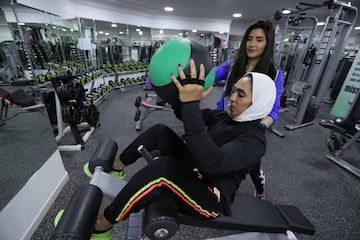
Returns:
<point x="237" y="31"/>
<point x="117" y="43"/>
<point x="27" y="140"/>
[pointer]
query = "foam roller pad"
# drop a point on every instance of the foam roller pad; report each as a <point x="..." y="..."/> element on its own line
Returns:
<point x="104" y="155"/>
<point x="80" y="214"/>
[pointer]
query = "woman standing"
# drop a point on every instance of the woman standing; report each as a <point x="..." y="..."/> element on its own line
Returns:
<point x="256" y="54"/>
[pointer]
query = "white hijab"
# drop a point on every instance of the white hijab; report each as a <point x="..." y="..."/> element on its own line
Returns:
<point x="263" y="98"/>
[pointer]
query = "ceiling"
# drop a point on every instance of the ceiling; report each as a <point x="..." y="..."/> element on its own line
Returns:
<point x="213" y="9"/>
<point x="142" y="13"/>
<point x="210" y="11"/>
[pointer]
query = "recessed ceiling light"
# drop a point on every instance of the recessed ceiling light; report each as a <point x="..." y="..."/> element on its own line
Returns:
<point x="113" y="25"/>
<point x="121" y="32"/>
<point x="357" y="28"/>
<point x="106" y="33"/>
<point x="101" y="32"/>
<point x="320" y="24"/>
<point x="168" y="9"/>
<point x="237" y="15"/>
<point x="285" y="11"/>
<point x="194" y="30"/>
<point x="161" y="31"/>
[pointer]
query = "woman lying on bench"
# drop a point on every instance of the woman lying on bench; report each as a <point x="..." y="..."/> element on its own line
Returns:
<point x="203" y="169"/>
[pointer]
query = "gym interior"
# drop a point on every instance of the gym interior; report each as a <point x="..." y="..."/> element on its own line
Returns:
<point x="73" y="75"/>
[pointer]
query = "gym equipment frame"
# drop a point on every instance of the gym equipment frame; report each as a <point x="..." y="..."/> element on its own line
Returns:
<point x="160" y="219"/>
<point x="336" y="31"/>
<point x="341" y="139"/>
<point x="150" y="105"/>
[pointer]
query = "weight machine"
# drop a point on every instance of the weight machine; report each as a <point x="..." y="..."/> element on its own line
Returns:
<point x="343" y="134"/>
<point x="345" y="128"/>
<point x="261" y="219"/>
<point x="151" y="103"/>
<point x="11" y="70"/>
<point x="296" y="49"/>
<point x="322" y="62"/>
<point x="24" y="103"/>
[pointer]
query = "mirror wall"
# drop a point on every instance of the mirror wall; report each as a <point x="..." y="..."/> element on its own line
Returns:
<point x="27" y="141"/>
<point x="45" y="37"/>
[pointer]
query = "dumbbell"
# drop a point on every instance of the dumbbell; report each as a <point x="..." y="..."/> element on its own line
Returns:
<point x="132" y="81"/>
<point x="138" y="111"/>
<point x="88" y="78"/>
<point x="112" y="83"/>
<point x="119" y="83"/>
<point x="137" y="101"/>
<point x="103" y="90"/>
<point x="125" y="81"/>
<point x="42" y="78"/>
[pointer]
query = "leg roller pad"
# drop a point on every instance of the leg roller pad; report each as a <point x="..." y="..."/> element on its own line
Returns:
<point x="104" y="156"/>
<point x="80" y="214"/>
<point x="160" y="218"/>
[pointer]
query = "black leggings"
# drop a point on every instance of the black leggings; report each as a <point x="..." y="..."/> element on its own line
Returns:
<point x="172" y="172"/>
<point x="257" y="178"/>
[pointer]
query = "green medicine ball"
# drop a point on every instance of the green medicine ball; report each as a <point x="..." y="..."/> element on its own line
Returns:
<point x="165" y="61"/>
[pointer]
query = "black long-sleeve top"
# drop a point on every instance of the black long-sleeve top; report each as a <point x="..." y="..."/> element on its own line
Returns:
<point x="222" y="149"/>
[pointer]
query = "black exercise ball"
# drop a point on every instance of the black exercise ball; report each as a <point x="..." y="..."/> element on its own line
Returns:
<point x="165" y="61"/>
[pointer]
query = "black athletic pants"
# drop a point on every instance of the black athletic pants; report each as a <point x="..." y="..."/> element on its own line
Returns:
<point x="172" y="172"/>
<point x="257" y="178"/>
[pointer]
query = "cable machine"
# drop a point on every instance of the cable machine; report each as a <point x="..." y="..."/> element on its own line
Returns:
<point x="326" y="55"/>
<point x="296" y="49"/>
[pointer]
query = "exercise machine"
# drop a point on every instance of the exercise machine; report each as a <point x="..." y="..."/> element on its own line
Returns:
<point x="342" y="136"/>
<point x="160" y="219"/>
<point x="151" y="103"/>
<point x="12" y="72"/>
<point x="24" y="102"/>
<point x="345" y="128"/>
<point x="296" y="53"/>
<point x="338" y="26"/>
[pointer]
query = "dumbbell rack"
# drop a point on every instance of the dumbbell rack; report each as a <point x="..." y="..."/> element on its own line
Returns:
<point x="62" y="130"/>
<point x="98" y="89"/>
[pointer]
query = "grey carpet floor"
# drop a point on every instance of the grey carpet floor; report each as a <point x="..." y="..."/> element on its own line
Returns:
<point x="296" y="168"/>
